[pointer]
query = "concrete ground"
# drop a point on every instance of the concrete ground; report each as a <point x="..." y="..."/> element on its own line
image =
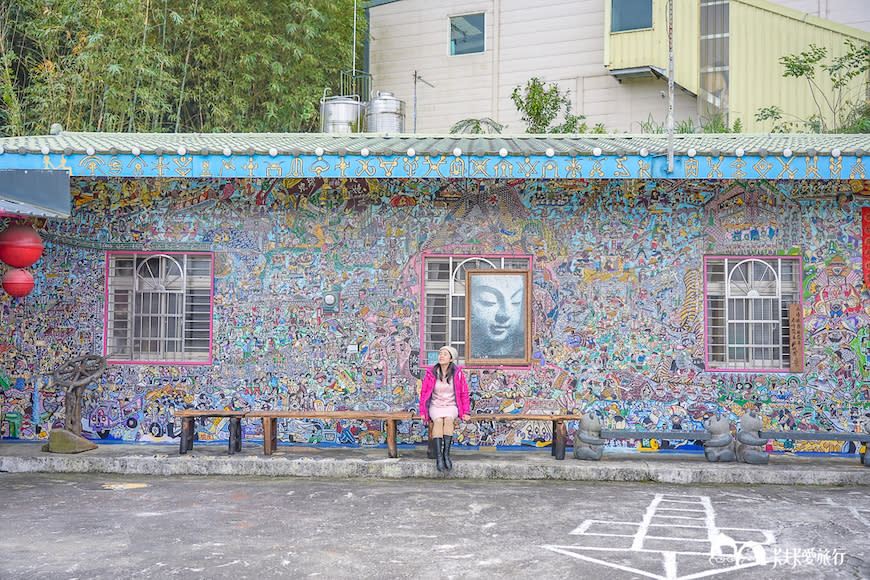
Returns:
<point x="99" y="526"/>
<point x="470" y="464"/>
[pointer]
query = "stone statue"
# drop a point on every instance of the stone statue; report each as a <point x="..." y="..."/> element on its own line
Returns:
<point x="720" y="446"/>
<point x="750" y="445"/>
<point x="588" y="443"/>
<point x="74" y="376"/>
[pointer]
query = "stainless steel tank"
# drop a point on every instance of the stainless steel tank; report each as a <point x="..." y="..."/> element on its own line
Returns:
<point x="341" y="114"/>
<point x="385" y="114"/>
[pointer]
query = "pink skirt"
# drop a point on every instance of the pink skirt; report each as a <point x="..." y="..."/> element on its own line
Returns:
<point x="439" y="412"/>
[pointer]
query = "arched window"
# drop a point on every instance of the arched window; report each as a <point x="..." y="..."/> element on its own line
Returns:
<point x="444" y="298"/>
<point x="748" y="304"/>
<point x="159" y="307"/>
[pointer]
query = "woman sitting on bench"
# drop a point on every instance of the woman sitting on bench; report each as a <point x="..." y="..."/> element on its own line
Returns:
<point x="443" y="398"/>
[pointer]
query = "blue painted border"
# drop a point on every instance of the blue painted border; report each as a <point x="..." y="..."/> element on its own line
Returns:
<point x="443" y="166"/>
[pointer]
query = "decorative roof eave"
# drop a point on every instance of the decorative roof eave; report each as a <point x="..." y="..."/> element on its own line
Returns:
<point x="373" y="155"/>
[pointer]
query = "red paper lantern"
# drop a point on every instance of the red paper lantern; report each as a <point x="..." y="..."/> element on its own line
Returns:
<point x="18" y="283"/>
<point x="20" y="246"/>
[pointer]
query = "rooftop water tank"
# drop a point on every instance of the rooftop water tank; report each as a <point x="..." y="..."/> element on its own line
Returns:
<point x="385" y="114"/>
<point x="341" y="114"/>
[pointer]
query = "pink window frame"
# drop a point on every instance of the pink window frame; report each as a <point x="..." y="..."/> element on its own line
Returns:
<point x="425" y="256"/>
<point x="707" y="365"/>
<point x="210" y="318"/>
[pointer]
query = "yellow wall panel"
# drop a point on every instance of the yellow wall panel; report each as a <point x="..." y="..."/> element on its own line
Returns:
<point x="649" y="47"/>
<point x="759" y="38"/>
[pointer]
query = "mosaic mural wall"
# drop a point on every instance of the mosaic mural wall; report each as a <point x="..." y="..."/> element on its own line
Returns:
<point x="617" y="305"/>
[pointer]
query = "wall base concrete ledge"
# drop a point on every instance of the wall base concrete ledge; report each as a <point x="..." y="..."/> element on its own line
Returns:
<point x="672" y="468"/>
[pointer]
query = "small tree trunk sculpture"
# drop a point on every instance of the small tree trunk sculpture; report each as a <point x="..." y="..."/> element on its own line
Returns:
<point x="75" y="375"/>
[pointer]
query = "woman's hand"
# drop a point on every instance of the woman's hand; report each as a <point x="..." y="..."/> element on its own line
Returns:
<point x="466" y="417"/>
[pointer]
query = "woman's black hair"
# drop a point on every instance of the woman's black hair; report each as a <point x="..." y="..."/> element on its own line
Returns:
<point x="451" y="371"/>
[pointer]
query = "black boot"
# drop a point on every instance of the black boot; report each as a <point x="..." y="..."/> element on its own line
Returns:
<point x="430" y="449"/>
<point x="448" y="440"/>
<point x="439" y="454"/>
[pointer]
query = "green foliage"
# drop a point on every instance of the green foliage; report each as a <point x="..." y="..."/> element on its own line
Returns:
<point x="857" y="120"/>
<point x="539" y="105"/>
<point x="713" y="123"/>
<point x="650" y="126"/>
<point x="716" y="122"/>
<point x="685" y="126"/>
<point x="835" y="112"/>
<point x="152" y="65"/>
<point x="774" y="113"/>
<point x="477" y="126"/>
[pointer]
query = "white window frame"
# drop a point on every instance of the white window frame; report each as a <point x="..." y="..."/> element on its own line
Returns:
<point x="159" y="307"/>
<point x="450" y="27"/>
<point x="443" y="306"/>
<point x="747" y="322"/>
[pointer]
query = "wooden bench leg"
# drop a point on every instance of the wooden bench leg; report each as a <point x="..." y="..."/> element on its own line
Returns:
<point x="270" y="435"/>
<point x="184" y="446"/>
<point x="553" y="442"/>
<point x="238" y="433"/>
<point x="235" y="439"/>
<point x="273" y="441"/>
<point x="267" y="435"/>
<point x="391" y="438"/>
<point x="560" y="436"/>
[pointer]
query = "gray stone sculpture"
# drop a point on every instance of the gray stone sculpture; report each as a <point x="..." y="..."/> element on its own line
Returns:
<point x="720" y="446"/>
<point x="750" y="445"/>
<point x="588" y="443"/>
<point x="74" y="376"/>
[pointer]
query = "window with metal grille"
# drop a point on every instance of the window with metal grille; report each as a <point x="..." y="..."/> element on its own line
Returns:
<point x="444" y="299"/>
<point x="159" y="307"/>
<point x="748" y="325"/>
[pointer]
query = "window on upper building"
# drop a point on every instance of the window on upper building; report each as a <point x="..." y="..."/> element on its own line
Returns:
<point x="444" y="298"/>
<point x="466" y="34"/>
<point x="748" y="312"/>
<point x="630" y="15"/>
<point x="714" y="59"/>
<point x="159" y="307"/>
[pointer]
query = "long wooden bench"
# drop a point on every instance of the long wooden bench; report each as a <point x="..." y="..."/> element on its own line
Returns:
<point x="188" y="426"/>
<point x="270" y="423"/>
<point x="391" y="418"/>
<point x="560" y="431"/>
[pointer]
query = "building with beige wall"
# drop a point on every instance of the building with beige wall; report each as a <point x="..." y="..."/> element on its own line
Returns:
<point x="454" y="60"/>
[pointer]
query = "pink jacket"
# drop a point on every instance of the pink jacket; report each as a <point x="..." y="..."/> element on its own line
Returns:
<point x="463" y="401"/>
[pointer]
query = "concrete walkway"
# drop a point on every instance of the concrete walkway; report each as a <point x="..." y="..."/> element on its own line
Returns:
<point x="335" y="463"/>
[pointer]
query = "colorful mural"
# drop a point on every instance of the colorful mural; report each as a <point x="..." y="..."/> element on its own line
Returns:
<point x="618" y="302"/>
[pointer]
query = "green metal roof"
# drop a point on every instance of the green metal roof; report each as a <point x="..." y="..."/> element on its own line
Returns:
<point x="374" y="155"/>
